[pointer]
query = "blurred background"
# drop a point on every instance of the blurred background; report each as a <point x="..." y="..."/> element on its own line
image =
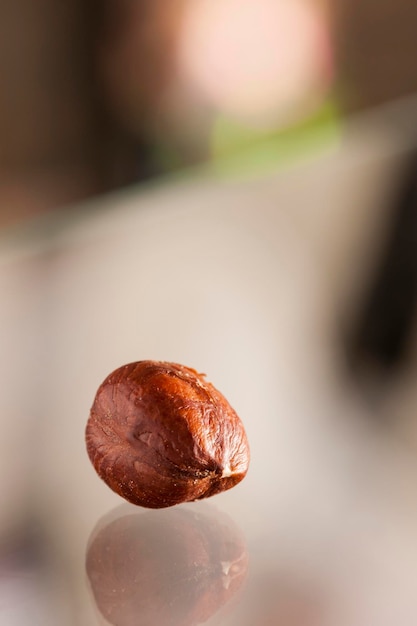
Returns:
<point x="98" y="95"/>
<point x="230" y="184"/>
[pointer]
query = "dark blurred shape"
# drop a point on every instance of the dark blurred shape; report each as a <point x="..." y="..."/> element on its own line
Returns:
<point x="25" y="547"/>
<point x="380" y="339"/>
<point x="31" y="579"/>
<point x="136" y="55"/>
<point x="171" y="568"/>
<point x="376" y="50"/>
<point x="59" y="141"/>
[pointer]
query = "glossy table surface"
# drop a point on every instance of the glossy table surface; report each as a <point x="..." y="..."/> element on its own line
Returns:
<point x="250" y="282"/>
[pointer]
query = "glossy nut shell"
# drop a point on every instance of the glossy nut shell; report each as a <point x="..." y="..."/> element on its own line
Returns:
<point x="160" y="434"/>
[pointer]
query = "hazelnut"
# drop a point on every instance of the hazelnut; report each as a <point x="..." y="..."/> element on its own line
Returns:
<point x="176" y="567"/>
<point x="160" y="434"/>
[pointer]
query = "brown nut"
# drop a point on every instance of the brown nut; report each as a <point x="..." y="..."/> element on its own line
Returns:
<point x="160" y="434"/>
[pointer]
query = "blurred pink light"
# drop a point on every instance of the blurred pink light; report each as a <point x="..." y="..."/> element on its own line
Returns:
<point x="255" y="59"/>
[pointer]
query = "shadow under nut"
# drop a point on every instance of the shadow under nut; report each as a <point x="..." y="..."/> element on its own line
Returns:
<point x="159" y="434"/>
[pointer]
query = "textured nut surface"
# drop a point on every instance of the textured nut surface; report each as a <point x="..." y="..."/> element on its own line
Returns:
<point x="160" y="434"/>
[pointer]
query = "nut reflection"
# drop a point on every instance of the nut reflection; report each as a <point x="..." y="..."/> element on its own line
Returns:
<point x="175" y="567"/>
